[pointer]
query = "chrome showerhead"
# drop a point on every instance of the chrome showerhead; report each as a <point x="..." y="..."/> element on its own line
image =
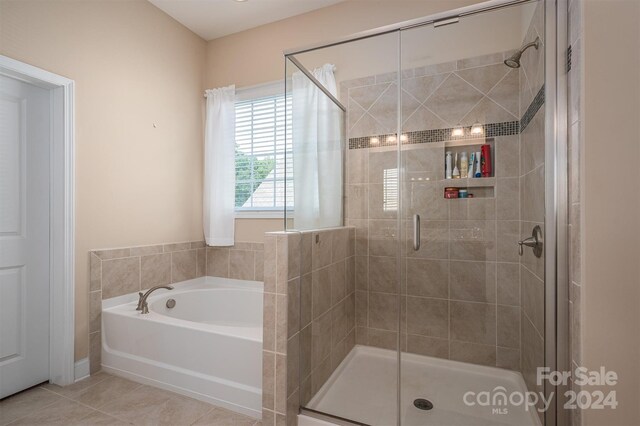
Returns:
<point x="513" y="61"/>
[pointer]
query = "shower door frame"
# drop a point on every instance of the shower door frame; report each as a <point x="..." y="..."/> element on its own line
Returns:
<point x="556" y="339"/>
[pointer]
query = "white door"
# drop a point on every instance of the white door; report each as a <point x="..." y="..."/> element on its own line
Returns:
<point x="24" y="235"/>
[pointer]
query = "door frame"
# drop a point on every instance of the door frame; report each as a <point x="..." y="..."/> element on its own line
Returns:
<point x="62" y="213"/>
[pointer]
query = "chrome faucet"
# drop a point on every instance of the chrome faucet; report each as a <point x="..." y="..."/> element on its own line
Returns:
<point x="142" y="302"/>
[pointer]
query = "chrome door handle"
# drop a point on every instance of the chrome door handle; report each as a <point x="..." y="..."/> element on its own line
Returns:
<point x="534" y="241"/>
<point x="416" y="232"/>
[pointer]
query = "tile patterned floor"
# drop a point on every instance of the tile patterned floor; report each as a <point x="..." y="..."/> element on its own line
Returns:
<point x="103" y="399"/>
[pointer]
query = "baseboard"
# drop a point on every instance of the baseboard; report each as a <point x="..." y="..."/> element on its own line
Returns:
<point x="81" y="369"/>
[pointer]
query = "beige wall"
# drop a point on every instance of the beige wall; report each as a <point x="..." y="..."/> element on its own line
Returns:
<point x="255" y="56"/>
<point x="611" y="289"/>
<point x="133" y="67"/>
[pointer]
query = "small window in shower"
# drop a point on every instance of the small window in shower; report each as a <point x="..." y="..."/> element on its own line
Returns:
<point x="390" y="190"/>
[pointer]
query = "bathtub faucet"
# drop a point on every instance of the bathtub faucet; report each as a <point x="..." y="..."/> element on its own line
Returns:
<point x="142" y="302"/>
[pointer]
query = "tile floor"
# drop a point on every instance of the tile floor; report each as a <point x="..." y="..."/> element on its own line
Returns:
<point x="103" y="399"/>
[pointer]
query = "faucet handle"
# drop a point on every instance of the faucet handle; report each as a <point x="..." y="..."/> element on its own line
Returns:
<point x="141" y="296"/>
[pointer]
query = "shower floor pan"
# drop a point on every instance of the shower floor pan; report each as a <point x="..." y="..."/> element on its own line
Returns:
<point x="363" y="388"/>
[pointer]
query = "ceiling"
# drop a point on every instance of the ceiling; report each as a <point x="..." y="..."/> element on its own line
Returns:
<point x="216" y="18"/>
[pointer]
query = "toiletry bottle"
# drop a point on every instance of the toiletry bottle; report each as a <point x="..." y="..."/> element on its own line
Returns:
<point x="448" y="165"/>
<point x="472" y="159"/>
<point x="477" y="173"/>
<point x="464" y="166"/>
<point x="486" y="160"/>
<point x="456" y="171"/>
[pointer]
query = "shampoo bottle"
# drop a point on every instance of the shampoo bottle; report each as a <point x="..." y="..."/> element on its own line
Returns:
<point x="448" y="165"/>
<point x="456" y="171"/>
<point x="478" y="172"/>
<point x="486" y="160"/>
<point x="464" y="166"/>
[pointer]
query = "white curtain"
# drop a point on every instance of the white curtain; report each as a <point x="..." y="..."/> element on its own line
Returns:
<point x="317" y="152"/>
<point x="219" y="167"/>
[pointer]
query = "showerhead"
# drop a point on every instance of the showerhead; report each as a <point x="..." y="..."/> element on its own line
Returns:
<point x="513" y="61"/>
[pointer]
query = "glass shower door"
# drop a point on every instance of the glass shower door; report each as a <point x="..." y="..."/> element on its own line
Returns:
<point x="353" y="377"/>
<point x="472" y="186"/>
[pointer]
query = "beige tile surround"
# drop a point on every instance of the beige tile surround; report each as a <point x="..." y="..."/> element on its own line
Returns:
<point x="309" y="316"/>
<point x="114" y="272"/>
<point x="460" y="293"/>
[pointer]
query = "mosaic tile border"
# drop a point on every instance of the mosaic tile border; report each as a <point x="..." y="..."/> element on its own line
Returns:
<point x="535" y="105"/>
<point x="443" y="135"/>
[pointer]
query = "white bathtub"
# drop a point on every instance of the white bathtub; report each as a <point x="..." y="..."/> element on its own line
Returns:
<point x="208" y="347"/>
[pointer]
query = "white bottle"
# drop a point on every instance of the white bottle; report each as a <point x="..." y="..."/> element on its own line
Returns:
<point x="464" y="166"/>
<point x="456" y="171"/>
<point x="448" y="165"/>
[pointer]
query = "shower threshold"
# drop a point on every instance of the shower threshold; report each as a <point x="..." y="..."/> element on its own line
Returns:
<point x="363" y="389"/>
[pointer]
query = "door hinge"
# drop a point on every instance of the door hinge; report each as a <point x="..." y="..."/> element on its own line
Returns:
<point x="569" y="59"/>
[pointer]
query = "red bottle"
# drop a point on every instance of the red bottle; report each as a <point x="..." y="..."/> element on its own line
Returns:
<point x="485" y="160"/>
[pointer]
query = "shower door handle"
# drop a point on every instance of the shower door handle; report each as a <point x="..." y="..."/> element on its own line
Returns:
<point x="416" y="232"/>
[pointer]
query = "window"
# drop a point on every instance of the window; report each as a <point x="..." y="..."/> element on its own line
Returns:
<point x="390" y="190"/>
<point x="263" y="141"/>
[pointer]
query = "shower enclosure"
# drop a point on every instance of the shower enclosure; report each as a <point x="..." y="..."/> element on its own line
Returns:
<point x="431" y="148"/>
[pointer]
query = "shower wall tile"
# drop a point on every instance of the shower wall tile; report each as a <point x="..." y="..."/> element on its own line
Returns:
<point x="473" y="281"/>
<point x="503" y="92"/>
<point x="427" y="278"/>
<point x="508" y="358"/>
<point x="429" y="346"/>
<point x="532" y="298"/>
<point x="468" y="256"/>
<point x="508" y="198"/>
<point x="508" y="235"/>
<point x="508" y="326"/>
<point x="473" y="353"/>
<point x="479" y="61"/>
<point x="453" y="100"/>
<point x="487" y="111"/>
<point x="428" y="317"/>
<point x="473" y="322"/>
<point x="309" y="321"/>
<point x="383" y="275"/>
<point x="120" y="271"/>
<point x="507" y="156"/>
<point x="508" y="283"/>
<point x="532" y="353"/>
<point x="382" y="338"/>
<point x="383" y="311"/>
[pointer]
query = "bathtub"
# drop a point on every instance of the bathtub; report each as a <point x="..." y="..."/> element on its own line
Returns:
<point x="208" y="346"/>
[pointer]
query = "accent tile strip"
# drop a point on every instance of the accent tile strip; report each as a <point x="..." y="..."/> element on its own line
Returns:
<point x="536" y="104"/>
<point x="442" y="135"/>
